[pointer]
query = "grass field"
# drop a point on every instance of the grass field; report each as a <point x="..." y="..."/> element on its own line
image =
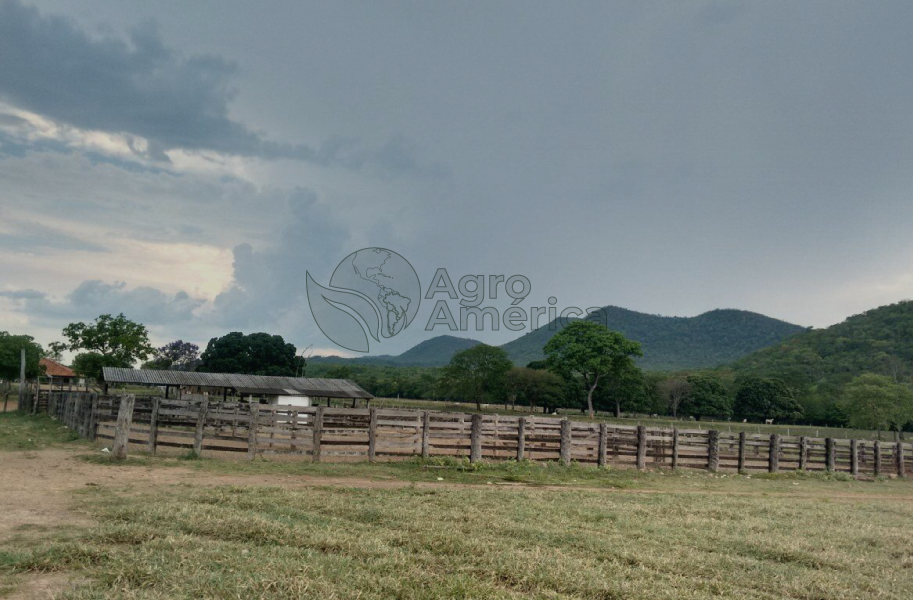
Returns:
<point x="157" y="528"/>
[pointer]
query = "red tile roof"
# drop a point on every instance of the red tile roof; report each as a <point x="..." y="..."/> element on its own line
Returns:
<point x="55" y="369"/>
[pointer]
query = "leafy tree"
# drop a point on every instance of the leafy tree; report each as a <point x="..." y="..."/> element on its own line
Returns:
<point x="876" y="402"/>
<point x="591" y="351"/>
<point x="706" y="396"/>
<point x="252" y="354"/>
<point x="55" y="351"/>
<point x="478" y="372"/>
<point x="178" y="356"/>
<point x="531" y="387"/>
<point x="10" y="355"/>
<point x="626" y="391"/>
<point x="759" y="399"/>
<point x="109" y="342"/>
<point x="339" y="372"/>
<point x="673" y="391"/>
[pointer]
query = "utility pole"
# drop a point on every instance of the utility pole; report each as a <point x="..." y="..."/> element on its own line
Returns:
<point x="21" y="378"/>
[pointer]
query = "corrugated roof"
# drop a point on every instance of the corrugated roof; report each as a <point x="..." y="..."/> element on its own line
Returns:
<point x="309" y="386"/>
<point x="52" y="368"/>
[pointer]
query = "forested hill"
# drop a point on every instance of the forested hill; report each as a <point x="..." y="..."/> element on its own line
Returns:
<point x="673" y="343"/>
<point x="669" y="343"/>
<point x="878" y="341"/>
<point x="435" y="352"/>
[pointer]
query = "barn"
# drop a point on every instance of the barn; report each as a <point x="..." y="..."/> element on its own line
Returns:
<point x="298" y="391"/>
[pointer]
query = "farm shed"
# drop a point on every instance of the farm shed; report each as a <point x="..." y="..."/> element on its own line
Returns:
<point x="239" y="384"/>
<point x="58" y="374"/>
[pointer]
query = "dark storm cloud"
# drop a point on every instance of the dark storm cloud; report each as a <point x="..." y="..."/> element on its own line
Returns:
<point x="142" y="87"/>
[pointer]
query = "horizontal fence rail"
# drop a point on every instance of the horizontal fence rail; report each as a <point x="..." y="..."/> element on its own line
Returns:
<point x="205" y="425"/>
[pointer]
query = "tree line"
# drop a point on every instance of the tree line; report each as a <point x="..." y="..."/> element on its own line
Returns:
<point x="587" y="367"/>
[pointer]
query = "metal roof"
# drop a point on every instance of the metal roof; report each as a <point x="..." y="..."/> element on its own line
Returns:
<point x="309" y="386"/>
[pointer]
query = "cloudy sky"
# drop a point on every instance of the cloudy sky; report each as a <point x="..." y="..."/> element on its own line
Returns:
<point x="188" y="163"/>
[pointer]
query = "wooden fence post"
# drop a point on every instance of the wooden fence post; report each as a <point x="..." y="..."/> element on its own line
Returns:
<point x="293" y="431"/>
<point x="318" y="433"/>
<point x="603" y="443"/>
<point x="201" y="426"/>
<point x="154" y="426"/>
<point x="773" y="458"/>
<point x="742" y="444"/>
<point x="803" y="453"/>
<point x="521" y="438"/>
<point x="877" y="458"/>
<point x="475" y="439"/>
<point x="565" y="452"/>
<point x="372" y="434"/>
<point x="426" y="434"/>
<point x="674" y="448"/>
<point x="713" y="451"/>
<point x="829" y="455"/>
<point x="854" y="458"/>
<point x="641" y="447"/>
<point x="93" y="419"/>
<point x="252" y="424"/>
<point x="898" y="454"/>
<point x="122" y="429"/>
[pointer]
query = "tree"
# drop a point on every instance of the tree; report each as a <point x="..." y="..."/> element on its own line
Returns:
<point x="109" y="342"/>
<point x="478" y="372"/>
<point x="758" y="399"/>
<point x="339" y="372"/>
<point x="673" y="392"/>
<point x="252" y="354"/>
<point x="706" y="396"/>
<point x="531" y="387"/>
<point x="625" y="390"/>
<point x="591" y="351"/>
<point x="10" y="354"/>
<point x="177" y="356"/>
<point x="877" y="402"/>
<point x="55" y="351"/>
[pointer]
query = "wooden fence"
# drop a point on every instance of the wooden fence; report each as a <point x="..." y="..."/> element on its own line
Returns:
<point x="214" y="427"/>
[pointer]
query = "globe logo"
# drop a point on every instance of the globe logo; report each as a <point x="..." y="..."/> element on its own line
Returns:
<point x="373" y="292"/>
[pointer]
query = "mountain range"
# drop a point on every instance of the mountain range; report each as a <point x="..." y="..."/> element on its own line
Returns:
<point x="669" y="343"/>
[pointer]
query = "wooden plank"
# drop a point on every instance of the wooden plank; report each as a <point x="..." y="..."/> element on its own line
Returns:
<point x="475" y="440"/>
<point x="565" y="449"/>
<point x="318" y="433"/>
<point x="898" y="456"/>
<point x="877" y="458"/>
<point x="426" y="431"/>
<point x="674" y="448"/>
<point x="252" y="430"/>
<point x="372" y="435"/>
<point x="154" y="426"/>
<point x="803" y="453"/>
<point x="641" y="461"/>
<point x="122" y="430"/>
<point x="773" y="457"/>
<point x="603" y="444"/>
<point x="741" y="463"/>
<point x="830" y="458"/>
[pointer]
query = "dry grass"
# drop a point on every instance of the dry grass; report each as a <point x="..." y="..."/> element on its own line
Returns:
<point x="703" y="537"/>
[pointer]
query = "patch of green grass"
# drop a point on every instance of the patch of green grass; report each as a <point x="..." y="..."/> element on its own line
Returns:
<point x="19" y="431"/>
<point x="480" y="542"/>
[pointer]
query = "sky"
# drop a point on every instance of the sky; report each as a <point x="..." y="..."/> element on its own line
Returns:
<point x="188" y="163"/>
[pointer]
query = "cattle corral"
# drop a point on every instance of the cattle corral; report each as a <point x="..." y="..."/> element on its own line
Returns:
<point x="226" y="429"/>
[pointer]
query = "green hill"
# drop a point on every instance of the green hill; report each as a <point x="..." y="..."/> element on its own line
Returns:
<point x="674" y="343"/>
<point x="669" y="343"/>
<point x="433" y="352"/>
<point x="878" y="341"/>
